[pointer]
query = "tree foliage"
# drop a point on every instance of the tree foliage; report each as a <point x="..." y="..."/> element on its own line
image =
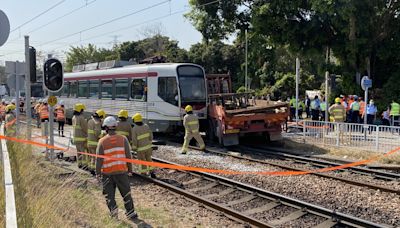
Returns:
<point x="363" y="36"/>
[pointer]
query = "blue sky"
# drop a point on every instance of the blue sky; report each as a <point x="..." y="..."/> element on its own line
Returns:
<point x="96" y="12"/>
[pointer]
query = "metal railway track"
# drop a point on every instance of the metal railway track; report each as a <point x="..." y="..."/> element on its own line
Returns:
<point x="321" y="165"/>
<point x="389" y="176"/>
<point x="239" y="201"/>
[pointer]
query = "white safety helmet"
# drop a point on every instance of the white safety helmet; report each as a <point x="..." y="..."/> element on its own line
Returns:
<point x="110" y="122"/>
<point x="13" y="101"/>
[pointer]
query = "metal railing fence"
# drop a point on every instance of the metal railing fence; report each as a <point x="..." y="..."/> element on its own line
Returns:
<point x="376" y="138"/>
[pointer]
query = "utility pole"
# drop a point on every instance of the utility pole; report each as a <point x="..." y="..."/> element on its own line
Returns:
<point x="245" y="72"/>
<point x="297" y="88"/>
<point x="28" y="89"/>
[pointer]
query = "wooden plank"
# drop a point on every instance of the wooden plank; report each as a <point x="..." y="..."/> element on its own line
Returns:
<point x="211" y="185"/>
<point x="192" y="181"/>
<point x="326" y="224"/>
<point x="219" y="194"/>
<point x="266" y="207"/>
<point x="293" y="216"/>
<point x="241" y="200"/>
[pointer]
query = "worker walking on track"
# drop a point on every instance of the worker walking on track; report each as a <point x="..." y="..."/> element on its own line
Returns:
<point x="113" y="173"/>
<point x="142" y="139"/>
<point x="338" y="114"/>
<point x="60" y="117"/>
<point x="80" y="128"/>
<point x="93" y="136"/>
<point x="10" y="124"/>
<point x="123" y="127"/>
<point x="191" y="124"/>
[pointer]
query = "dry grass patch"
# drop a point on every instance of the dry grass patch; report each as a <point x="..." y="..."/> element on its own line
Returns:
<point x="46" y="197"/>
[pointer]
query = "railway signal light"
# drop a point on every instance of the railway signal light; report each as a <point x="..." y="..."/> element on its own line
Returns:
<point x="53" y="77"/>
<point x="32" y="64"/>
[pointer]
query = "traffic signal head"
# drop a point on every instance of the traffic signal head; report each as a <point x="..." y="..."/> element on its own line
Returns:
<point x="53" y="75"/>
<point x="32" y="64"/>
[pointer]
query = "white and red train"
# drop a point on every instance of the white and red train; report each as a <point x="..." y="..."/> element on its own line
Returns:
<point x="158" y="91"/>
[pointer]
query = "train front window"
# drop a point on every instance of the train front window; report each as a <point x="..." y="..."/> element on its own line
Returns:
<point x="167" y="90"/>
<point x="192" y="84"/>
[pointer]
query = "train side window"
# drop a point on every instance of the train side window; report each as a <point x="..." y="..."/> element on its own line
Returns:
<point x="168" y="90"/>
<point x="93" y="89"/>
<point x="83" y="89"/>
<point x="106" y="89"/>
<point x="73" y="89"/>
<point x="139" y="89"/>
<point x="65" y="90"/>
<point x="121" y="88"/>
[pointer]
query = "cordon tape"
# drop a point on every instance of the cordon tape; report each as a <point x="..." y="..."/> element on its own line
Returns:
<point x="207" y="170"/>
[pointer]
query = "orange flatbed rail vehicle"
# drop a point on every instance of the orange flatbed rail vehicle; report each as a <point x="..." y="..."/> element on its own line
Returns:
<point x="232" y="115"/>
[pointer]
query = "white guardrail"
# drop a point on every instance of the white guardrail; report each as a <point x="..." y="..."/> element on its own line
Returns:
<point x="11" y="212"/>
<point x="365" y="137"/>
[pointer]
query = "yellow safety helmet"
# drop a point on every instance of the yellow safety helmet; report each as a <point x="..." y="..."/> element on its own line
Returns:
<point x="101" y="113"/>
<point x="188" y="108"/>
<point x="10" y="107"/>
<point x="337" y="100"/>
<point x="79" y="107"/>
<point x="137" y="118"/>
<point x="123" y="113"/>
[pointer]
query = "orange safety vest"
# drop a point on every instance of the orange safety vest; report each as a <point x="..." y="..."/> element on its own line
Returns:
<point x="44" y="112"/>
<point x="349" y="104"/>
<point x="362" y="107"/>
<point x="113" y="146"/>
<point x="60" y="114"/>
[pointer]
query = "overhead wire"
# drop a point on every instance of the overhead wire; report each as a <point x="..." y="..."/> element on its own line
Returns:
<point x="62" y="16"/>
<point x="138" y="24"/>
<point x="121" y="29"/>
<point x="37" y="16"/>
<point x="105" y="23"/>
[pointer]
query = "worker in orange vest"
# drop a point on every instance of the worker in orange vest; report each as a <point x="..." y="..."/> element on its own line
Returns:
<point x="362" y="109"/>
<point x="44" y="111"/>
<point x="114" y="173"/>
<point x="60" y="117"/>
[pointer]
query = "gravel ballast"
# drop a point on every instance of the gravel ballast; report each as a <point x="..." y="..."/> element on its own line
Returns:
<point x="362" y="202"/>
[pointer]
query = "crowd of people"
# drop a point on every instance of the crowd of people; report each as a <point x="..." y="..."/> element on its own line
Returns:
<point x="355" y="110"/>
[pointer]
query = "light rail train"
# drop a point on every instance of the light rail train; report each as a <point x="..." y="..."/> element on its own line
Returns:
<point x="158" y="91"/>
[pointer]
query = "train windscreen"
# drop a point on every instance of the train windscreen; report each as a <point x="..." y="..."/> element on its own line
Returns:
<point x="192" y="84"/>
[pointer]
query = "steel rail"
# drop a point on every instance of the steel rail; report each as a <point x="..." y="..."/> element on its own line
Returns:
<point x="336" y="218"/>
<point x="361" y="170"/>
<point x="346" y="180"/>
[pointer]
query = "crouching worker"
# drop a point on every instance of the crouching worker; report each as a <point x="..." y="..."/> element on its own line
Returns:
<point x="113" y="173"/>
<point x="191" y="124"/>
<point x="142" y="139"/>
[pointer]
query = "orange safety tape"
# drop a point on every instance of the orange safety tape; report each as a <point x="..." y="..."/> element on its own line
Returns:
<point x="207" y="170"/>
